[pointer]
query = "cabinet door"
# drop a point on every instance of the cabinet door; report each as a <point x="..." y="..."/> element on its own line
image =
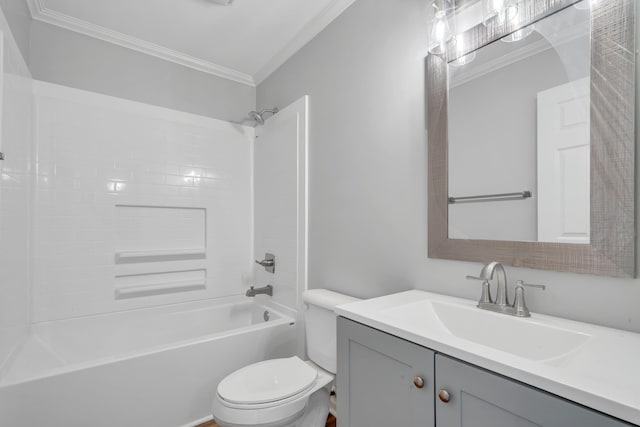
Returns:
<point x="479" y="398"/>
<point x="375" y="379"/>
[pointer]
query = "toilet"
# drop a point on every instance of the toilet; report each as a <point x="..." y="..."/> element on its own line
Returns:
<point x="287" y="392"/>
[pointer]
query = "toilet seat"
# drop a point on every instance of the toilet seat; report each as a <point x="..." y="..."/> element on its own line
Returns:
<point x="267" y="382"/>
<point x="269" y="411"/>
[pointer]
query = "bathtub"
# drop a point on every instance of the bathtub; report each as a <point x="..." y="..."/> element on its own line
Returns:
<point x="155" y="367"/>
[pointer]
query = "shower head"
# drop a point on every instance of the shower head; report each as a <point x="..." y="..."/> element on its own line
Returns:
<point x="258" y="117"/>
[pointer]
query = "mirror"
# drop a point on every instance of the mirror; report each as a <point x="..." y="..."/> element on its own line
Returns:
<point x="527" y="100"/>
<point x="531" y="139"/>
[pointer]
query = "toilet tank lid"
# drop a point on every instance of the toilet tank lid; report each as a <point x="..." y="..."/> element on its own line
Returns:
<point x="326" y="299"/>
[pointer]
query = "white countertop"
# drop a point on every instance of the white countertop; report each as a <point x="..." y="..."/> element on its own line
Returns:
<point x="602" y="373"/>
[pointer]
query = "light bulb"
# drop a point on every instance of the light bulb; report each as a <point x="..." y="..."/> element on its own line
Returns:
<point x="440" y="34"/>
<point x="461" y="59"/>
<point x="521" y="34"/>
<point x="500" y="10"/>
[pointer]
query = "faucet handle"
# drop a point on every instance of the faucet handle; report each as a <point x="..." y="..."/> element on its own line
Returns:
<point x="269" y="262"/>
<point x="519" y="304"/>
<point x="485" y="298"/>
<point x="520" y="283"/>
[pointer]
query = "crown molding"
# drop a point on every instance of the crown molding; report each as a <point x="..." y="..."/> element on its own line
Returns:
<point x="304" y="36"/>
<point x="41" y="13"/>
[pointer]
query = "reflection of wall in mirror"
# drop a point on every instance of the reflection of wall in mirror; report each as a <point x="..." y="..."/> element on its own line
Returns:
<point x="492" y="144"/>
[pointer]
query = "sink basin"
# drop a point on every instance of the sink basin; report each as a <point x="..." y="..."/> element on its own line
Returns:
<point x="522" y="337"/>
<point x="588" y="364"/>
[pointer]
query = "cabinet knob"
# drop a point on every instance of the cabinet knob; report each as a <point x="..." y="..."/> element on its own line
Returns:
<point x="418" y="382"/>
<point x="444" y="396"/>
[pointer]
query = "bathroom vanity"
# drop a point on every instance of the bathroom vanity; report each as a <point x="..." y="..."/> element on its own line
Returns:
<point x="422" y="359"/>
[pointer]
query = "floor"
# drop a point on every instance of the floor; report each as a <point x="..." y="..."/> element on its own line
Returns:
<point x="331" y="422"/>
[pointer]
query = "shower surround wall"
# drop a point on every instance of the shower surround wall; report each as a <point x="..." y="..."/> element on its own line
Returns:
<point x="104" y="165"/>
<point x="15" y="93"/>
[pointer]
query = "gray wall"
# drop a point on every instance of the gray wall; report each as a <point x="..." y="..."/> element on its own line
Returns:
<point x="18" y="17"/>
<point x="72" y="59"/>
<point x="368" y="177"/>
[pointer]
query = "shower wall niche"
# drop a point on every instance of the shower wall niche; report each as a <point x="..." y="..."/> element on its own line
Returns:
<point x="159" y="250"/>
<point x="135" y="205"/>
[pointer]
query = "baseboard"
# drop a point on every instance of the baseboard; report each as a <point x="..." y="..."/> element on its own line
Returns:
<point x="198" y="422"/>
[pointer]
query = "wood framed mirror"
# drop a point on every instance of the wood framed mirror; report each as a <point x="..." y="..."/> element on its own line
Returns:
<point x="607" y="246"/>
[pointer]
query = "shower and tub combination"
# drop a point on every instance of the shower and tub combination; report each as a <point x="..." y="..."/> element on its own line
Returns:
<point x="140" y="265"/>
<point x="130" y="220"/>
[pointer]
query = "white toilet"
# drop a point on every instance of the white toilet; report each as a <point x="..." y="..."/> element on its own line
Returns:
<point x="287" y="392"/>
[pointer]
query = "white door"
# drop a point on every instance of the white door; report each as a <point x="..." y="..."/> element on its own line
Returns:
<point x="280" y="194"/>
<point x="564" y="163"/>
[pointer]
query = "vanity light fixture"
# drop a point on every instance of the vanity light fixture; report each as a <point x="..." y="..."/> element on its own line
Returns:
<point x="502" y="10"/>
<point x="585" y="4"/>
<point x="521" y="34"/>
<point x="462" y="60"/>
<point x="440" y="34"/>
<point x="442" y="8"/>
<point x="440" y="26"/>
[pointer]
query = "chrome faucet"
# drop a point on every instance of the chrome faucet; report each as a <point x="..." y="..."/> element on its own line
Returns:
<point x="267" y="290"/>
<point x="502" y="299"/>
<point x="501" y="303"/>
<point x="269" y="262"/>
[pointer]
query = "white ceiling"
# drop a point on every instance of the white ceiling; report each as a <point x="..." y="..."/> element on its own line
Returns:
<point x="244" y="42"/>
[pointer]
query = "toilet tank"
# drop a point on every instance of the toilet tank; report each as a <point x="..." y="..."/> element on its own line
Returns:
<point x="320" y="326"/>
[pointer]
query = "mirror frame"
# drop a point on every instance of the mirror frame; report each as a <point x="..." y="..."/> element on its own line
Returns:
<point x="613" y="63"/>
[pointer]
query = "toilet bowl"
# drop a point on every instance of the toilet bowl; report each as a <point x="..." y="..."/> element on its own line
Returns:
<point x="287" y="392"/>
<point x="273" y="393"/>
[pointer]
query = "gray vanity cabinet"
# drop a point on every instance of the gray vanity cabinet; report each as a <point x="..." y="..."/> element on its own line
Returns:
<point x="376" y="374"/>
<point x="382" y="380"/>
<point x="479" y="398"/>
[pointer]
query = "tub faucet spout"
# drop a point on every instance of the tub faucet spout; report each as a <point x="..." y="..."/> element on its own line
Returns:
<point x="267" y="290"/>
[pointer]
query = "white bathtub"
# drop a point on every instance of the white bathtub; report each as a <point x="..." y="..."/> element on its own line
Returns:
<point x="156" y="367"/>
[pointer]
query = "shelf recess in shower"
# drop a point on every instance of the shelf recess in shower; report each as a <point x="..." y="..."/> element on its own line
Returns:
<point x="128" y="257"/>
<point x="154" y="234"/>
<point x="170" y="282"/>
